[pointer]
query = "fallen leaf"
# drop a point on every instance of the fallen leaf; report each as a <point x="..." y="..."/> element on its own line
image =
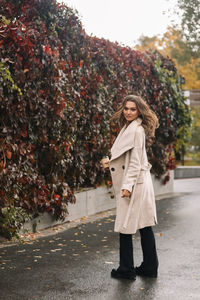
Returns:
<point x="84" y="218"/>
<point x="109" y="262"/>
<point x="158" y="234"/>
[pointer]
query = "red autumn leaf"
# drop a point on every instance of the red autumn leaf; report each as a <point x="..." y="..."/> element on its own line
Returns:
<point x="56" y="196"/>
<point x="81" y="63"/>
<point x="168" y="122"/>
<point x="8" y="154"/>
<point x="67" y="147"/>
<point x="62" y="64"/>
<point x="2" y="166"/>
<point x="130" y="75"/>
<point x="167" y="110"/>
<point x="60" y="114"/>
<point x="62" y="104"/>
<point x="1" y="193"/>
<point x="47" y="50"/>
<point x="83" y="93"/>
<point x="24" y="133"/>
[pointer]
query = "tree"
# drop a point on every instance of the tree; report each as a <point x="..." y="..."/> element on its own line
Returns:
<point x="174" y="45"/>
<point x="190" y="11"/>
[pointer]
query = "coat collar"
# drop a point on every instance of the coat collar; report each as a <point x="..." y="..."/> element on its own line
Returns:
<point x="125" y="139"/>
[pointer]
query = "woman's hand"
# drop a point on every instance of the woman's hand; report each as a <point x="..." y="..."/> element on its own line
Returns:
<point x="105" y="162"/>
<point x="125" y="193"/>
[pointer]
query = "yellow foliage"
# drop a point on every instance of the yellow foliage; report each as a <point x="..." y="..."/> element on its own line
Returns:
<point x="189" y="72"/>
<point x="172" y="44"/>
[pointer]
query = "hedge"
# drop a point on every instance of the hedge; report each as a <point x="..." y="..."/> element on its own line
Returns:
<point x="58" y="90"/>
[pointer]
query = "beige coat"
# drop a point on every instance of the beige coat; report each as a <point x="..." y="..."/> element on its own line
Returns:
<point x="130" y="170"/>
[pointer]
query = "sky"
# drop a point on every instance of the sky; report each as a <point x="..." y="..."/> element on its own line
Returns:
<point x="124" y="21"/>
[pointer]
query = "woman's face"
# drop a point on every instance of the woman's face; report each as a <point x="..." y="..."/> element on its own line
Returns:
<point x="130" y="111"/>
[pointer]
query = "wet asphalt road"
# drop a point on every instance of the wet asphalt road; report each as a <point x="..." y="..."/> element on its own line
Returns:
<point x="76" y="264"/>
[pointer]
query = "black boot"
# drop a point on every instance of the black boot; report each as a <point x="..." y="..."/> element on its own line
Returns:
<point x="149" y="266"/>
<point x="126" y="266"/>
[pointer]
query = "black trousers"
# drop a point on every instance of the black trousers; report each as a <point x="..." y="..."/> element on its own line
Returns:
<point x="150" y="259"/>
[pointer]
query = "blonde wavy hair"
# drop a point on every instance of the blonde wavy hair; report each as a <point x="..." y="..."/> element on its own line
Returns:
<point x="149" y="118"/>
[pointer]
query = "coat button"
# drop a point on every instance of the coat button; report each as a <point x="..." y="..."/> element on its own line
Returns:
<point x="112" y="169"/>
<point x="123" y="167"/>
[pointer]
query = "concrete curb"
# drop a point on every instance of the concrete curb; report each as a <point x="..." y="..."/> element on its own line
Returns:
<point x="90" y="202"/>
<point x="187" y="172"/>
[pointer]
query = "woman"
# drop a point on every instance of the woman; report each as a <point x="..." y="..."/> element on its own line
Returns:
<point x="135" y="201"/>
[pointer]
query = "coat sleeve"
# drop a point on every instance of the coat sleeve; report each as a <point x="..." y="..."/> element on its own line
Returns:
<point x="134" y="164"/>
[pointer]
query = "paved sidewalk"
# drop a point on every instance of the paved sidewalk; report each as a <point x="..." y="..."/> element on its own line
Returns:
<point x="76" y="263"/>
